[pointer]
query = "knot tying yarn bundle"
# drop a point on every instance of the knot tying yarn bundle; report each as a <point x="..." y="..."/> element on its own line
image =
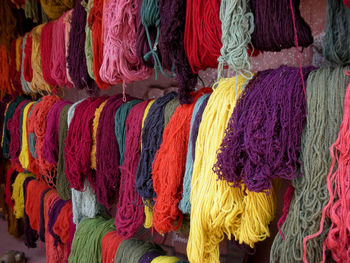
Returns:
<point x="337" y="39"/>
<point x="196" y="118"/>
<point x="221" y="209"/>
<point x="203" y="37"/>
<point x="130" y="216"/>
<point x="262" y="140"/>
<point x="152" y="133"/>
<point x="271" y="33"/>
<point x="171" y="45"/>
<point x="76" y="59"/>
<point x="120" y="60"/>
<point x="336" y="209"/>
<point x="169" y="167"/>
<point x="87" y="241"/>
<point x="107" y="154"/>
<point x="237" y="25"/>
<point x="45" y="49"/>
<point x="325" y="99"/>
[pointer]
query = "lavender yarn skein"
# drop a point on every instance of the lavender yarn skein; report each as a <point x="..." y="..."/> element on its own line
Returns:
<point x="263" y="138"/>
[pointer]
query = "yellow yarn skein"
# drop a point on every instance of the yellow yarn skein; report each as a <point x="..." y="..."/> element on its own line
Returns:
<point x="165" y="259"/>
<point x="217" y="208"/>
<point x="148" y="208"/>
<point x="38" y="83"/>
<point x="17" y="194"/>
<point x="24" y="155"/>
<point x="94" y="133"/>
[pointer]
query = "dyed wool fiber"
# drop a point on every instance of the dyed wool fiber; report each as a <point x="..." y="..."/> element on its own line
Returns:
<point x="271" y="33"/>
<point x="4" y="73"/>
<point x="55" y="9"/>
<point x="30" y="235"/>
<point x="120" y="127"/>
<point x="11" y="175"/>
<point x="45" y="53"/>
<point x="38" y="84"/>
<point x="62" y="184"/>
<point x="202" y="38"/>
<point x="17" y="194"/>
<point x="78" y="143"/>
<point x="169" y="167"/>
<point x="67" y="27"/>
<point x="262" y="140"/>
<point x="110" y="244"/>
<point x="337" y="37"/>
<point x="76" y="59"/>
<point x="23" y="157"/>
<point x="169" y="110"/>
<point x="54" y="211"/>
<point x="130" y="216"/>
<point x="50" y="144"/>
<point x="151" y="140"/>
<point x="131" y="250"/>
<point x="120" y="61"/>
<point x="237" y="25"/>
<point x="62" y="224"/>
<point x="218" y="209"/>
<point x="325" y="99"/>
<point x="87" y="241"/>
<point x="150" y="255"/>
<point x="16" y="85"/>
<point x="24" y="83"/>
<point x="42" y="215"/>
<point x="95" y="22"/>
<point x="171" y="45"/>
<point x="165" y="259"/>
<point x="336" y="209"/>
<point x="6" y="135"/>
<point x="107" y="154"/>
<point x="27" y="67"/>
<point x="88" y="41"/>
<point x="196" y="118"/>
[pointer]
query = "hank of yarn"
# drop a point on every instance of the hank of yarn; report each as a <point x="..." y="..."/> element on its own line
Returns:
<point x="67" y="26"/>
<point x="45" y="53"/>
<point x="202" y="38"/>
<point x="274" y="34"/>
<point x="88" y="41"/>
<point x="254" y="150"/>
<point x="288" y="196"/>
<point x="62" y="224"/>
<point x="199" y="107"/>
<point x="171" y="45"/>
<point x="110" y="244"/>
<point x="17" y="194"/>
<point x="325" y="99"/>
<point x="107" y="154"/>
<point x="54" y="9"/>
<point x="27" y="67"/>
<point x="94" y="133"/>
<point x="24" y="83"/>
<point x="169" y="167"/>
<point x="337" y="33"/>
<point x="152" y="133"/>
<point x="87" y="241"/>
<point x="76" y="60"/>
<point x="62" y="184"/>
<point x="150" y="255"/>
<point x="4" y="73"/>
<point x="217" y="209"/>
<point x="120" y="60"/>
<point x="130" y="216"/>
<point x="165" y="259"/>
<point x="237" y="25"/>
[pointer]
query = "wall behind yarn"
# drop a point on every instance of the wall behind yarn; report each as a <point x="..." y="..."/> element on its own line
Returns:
<point x="314" y="13"/>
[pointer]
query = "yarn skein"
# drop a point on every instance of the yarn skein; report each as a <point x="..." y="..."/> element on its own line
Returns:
<point x="120" y="61"/>
<point x="17" y="194"/>
<point x="199" y="107"/>
<point x="130" y="216"/>
<point x="203" y="38"/>
<point x="55" y="9"/>
<point x="325" y="97"/>
<point x="24" y="83"/>
<point x="88" y="41"/>
<point x="27" y="67"/>
<point x="336" y="209"/>
<point x="274" y="34"/>
<point x="110" y="244"/>
<point x="337" y="33"/>
<point x="217" y="209"/>
<point x="149" y="256"/>
<point x="165" y="259"/>
<point x="171" y="46"/>
<point x="67" y="26"/>
<point x="45" y="53"/>
<point x="263" y="144"/>
<point x="107" y="154"/>
<point x="152" y="133"/>
<point x="169" y="167"/>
